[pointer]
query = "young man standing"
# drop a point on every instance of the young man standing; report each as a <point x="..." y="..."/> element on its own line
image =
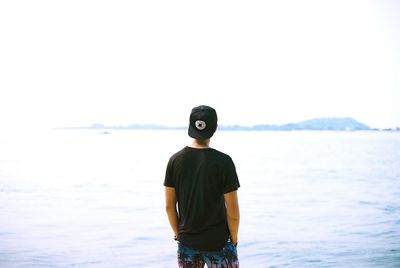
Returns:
<point x="203" y="183"/>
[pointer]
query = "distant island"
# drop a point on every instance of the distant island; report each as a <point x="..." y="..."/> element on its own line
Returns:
<point x="329" y="124"/>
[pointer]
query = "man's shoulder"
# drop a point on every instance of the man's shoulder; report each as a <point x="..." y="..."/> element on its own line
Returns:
<point x="216" y="151"/>
<point x="211" y="151"/>
<point x="222" y="155"/>
<point x="179" y="153"/>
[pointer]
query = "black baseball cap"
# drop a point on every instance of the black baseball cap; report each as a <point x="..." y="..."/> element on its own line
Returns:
<point x="203" y="122"/>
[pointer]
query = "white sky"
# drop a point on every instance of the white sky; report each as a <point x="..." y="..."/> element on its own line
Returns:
<point x="74" y="63"/>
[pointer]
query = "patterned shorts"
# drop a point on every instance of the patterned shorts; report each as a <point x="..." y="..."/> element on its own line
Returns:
<point x="226" y="258"/>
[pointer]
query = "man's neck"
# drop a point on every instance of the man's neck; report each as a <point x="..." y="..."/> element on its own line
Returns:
<point x="200" y="143"/>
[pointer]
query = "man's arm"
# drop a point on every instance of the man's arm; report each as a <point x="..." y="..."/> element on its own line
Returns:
<point x="233" y="215"/>
<point x="170" y="207"/>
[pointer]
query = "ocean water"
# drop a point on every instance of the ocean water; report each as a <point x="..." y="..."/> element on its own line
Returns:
<point x="80" y="198"/>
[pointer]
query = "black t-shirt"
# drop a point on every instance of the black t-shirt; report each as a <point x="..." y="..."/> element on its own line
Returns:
<point x="201" y="177"/>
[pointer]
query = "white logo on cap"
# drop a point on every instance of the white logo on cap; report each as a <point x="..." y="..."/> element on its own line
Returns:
<point x="200" y="125"/>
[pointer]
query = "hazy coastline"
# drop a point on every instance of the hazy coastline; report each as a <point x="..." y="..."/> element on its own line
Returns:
<point x="318" y="124"/>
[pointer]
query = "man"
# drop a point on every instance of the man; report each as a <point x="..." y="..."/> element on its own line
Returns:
<point x="203" y="182"/>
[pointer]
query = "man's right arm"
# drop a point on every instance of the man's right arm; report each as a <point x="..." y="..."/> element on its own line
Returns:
<point x="233" y="215"/>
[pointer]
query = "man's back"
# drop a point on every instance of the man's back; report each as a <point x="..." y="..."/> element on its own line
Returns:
<point x="201" y="177"/>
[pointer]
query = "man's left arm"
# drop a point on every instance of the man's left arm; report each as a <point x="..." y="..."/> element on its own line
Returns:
<point x="170" y="207"/>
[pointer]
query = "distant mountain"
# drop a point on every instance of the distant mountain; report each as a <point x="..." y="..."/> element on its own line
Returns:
<point x="334" y="123"/>
<point x="338" y="124"/>
<point x="328" y="124"/>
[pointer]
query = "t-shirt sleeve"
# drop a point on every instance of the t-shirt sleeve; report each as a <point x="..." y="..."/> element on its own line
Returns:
<point x="230" y="178"/>
<point x="168" y="181"/>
